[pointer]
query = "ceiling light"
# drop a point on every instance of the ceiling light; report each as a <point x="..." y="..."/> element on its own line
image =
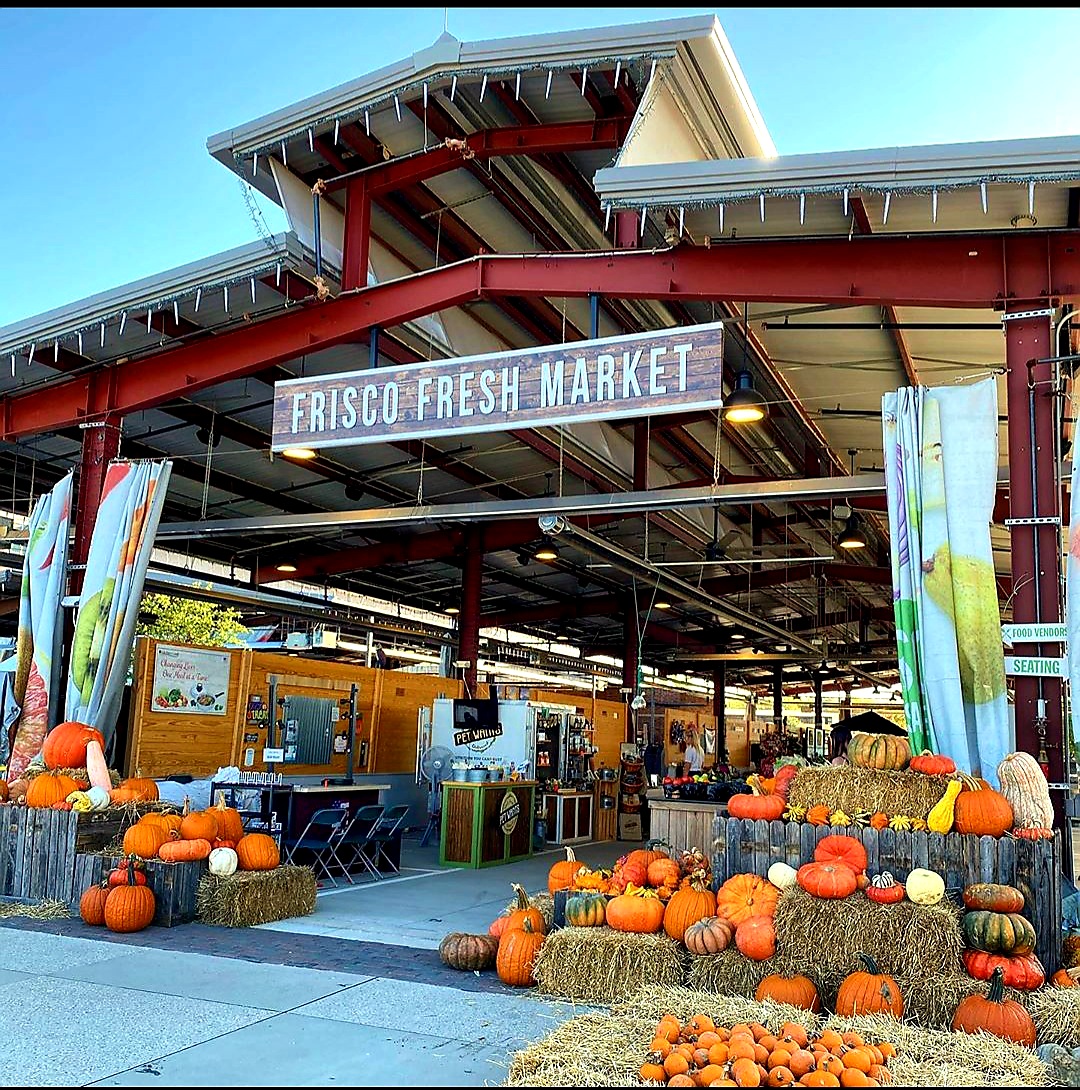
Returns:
<point x="452" y="610"/>
<point x="285" y="566"/>
<point x="661" y="604"/>
<point x="207" y="438"/>
<point x="737" y="636"/>
<point x="1023" y="220"/>
<point x="548" y="551"/>
<point x="852" y="537"/>
<point x="744" y="405"/>
<point x="302" y="454"/>
<point x="354" y="492"/>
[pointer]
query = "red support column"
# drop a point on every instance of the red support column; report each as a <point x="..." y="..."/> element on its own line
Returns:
<point x="627" y="230"/>
<point x="100" y="445"/>
<point x="719" y="707"/>
<point x="357" y="235"/>
<point x="472" y="580"/>
<point x="1037" y="593"/>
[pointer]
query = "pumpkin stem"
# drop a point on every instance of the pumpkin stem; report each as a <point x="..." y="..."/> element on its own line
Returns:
<point x="527" y="927"/>
<point x="969" y="782"/>
<point x="871" y="965"/>
<point x="997" y="986"/>
<point x="570" y="857"/>
<point x="522" y="896"/>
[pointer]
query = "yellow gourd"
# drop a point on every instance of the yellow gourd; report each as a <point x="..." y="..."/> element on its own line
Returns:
<point x="940" y="819"/>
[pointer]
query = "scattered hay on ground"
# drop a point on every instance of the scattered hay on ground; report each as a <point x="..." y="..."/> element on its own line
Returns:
<point x="730" y="973"/>
<point x="855" y="789"/>
<point x="43" y="910"/>
<point x="80" y="775"/>
<point x="1056" y="1012"/>
<point x="825" y="937"/>
<point x="252" y="897"/>
<point x="600" y="965"/>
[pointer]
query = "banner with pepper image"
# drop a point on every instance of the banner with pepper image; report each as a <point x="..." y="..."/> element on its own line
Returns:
<point x="39" y="647"/>
<point x="941" y="457"/>
<point x="127" y="520"/>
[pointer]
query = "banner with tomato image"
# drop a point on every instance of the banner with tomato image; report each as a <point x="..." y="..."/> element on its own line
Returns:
<point x="39" y="643"/>
<point x="127" y="521"/>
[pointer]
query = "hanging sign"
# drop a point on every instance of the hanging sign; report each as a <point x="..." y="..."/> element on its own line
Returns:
<point x="1034" y="633"/>
<point x="637" y="375"/>
<point x="189" y="681"/>
<point x="1036" y="667"/>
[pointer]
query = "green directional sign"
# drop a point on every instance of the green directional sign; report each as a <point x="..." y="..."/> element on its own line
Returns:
<point x="1016" y="666"/>
<point x="1033" y="633"/>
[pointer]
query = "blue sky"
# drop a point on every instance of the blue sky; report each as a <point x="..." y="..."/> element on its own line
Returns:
<point x="104" y="113"/>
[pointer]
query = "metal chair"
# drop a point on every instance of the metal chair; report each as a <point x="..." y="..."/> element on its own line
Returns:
<point x="322" y="836"/>
<point x="385" y="832"/>
<point x="358" y="836"/>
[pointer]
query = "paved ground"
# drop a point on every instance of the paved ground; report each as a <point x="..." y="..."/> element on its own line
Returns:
<point x="354" y="994"/>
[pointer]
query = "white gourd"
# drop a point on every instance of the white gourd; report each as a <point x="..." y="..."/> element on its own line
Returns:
<point x="782" y="876"/>
<point x="99" y="798"/>
<point x="925" y="887"/>
<point x="1024" y="786"/>
<point x="223" y="862"/>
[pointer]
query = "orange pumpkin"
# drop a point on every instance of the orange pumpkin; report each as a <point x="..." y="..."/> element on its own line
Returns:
<point x="518" y="948"/>
<point x="184" y="851"/>
<point x="637" y="910"/>
<point x="257" y="851"/>
<point x="827" y="880"/>
<point x="879" y="821"/>
<point x="995" y="1014"/>
<point x="92" y="904"/>
<point x="169" y="822"/>
<point x="130" y="907"/>
<point x="796" y="991"/>
<point x="980" y="810"/>
<point x="1066" y="978"/>
<point x="842" y="849"/>
<point x="230" y="824"/>
<point x="745" y="895"/>
<point x="818" y="815"/>
<point x="869" y="992"/>
<point x="198" y="825"/>
<point x="525" y="910"/>
<point x="758" y="806"/>
<point x="65" y="745"/>
<point x="696" y="902"/>
<point x="756" y="938"/>
<point x="561" y="875"/>
<point x="663" y="872"/>
<point x="48" y="788"/>
<point x="140" y="788"/>
<point x="144" y="840"/>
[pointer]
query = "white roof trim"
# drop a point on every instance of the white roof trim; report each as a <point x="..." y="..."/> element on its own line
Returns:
<point x="903" y="169"/>
<point x="234" y="265"/>
<point x="448" y="56"/>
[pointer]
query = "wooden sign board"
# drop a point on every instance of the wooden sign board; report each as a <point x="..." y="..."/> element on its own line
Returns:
<point x="637" y="375"/>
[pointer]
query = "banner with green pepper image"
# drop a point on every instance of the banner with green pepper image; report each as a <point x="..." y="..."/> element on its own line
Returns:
<point x="39" y="643"/>
<point x="127" y="520"/>
<point x="941" y="458"/>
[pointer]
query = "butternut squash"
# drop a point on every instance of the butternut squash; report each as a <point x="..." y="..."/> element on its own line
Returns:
<point x="941" y="817"/>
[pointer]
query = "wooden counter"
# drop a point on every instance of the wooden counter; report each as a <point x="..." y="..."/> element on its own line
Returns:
<point x="684" y="825"/>
<point x="479" y="827"/>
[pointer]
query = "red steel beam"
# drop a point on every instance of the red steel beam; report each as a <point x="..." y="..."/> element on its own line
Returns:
<point x="953" y="271"/>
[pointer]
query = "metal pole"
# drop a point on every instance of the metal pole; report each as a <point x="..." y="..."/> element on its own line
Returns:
<point x="1040" y="721"/>
<point x="594" y="316"/>
<point x="778" y="698"/>
<point x="373" y="347"/>
<point x="271" y="720"/>
<point x="318" y="233"/>
<point x="720" y="711"/>
<point x="352" y="732"/>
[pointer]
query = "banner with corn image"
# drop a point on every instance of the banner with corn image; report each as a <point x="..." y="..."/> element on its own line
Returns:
<point x="131" y="502"/>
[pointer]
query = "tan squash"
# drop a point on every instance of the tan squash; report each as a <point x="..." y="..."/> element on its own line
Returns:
<point x="1024" y="786"/>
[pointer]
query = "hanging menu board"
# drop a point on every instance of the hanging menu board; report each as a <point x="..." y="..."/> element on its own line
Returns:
<point x="189" y="681"/>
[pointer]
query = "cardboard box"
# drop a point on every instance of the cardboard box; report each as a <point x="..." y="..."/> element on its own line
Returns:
<point x="629" y="826"/>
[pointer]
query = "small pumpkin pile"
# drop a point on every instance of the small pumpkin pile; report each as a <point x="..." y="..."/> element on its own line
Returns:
<point x="702" y="1053"/>
<point x="122" y="902"/>
<point x="747" y="903"/>
<point x="999" y="938"/>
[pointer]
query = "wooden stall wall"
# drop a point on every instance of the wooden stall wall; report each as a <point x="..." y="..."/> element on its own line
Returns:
<point x="398" y="709"/>
<point x="698" y="719"/>
<point x="162" y="744"/>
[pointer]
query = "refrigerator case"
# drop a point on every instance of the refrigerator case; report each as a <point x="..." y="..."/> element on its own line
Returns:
<point x="548" y="734"/>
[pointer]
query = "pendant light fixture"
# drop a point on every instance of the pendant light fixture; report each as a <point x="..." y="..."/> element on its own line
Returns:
<point x="852" y="537"/>
<point x="745" y="405"/>
<point x="547" y="552"/>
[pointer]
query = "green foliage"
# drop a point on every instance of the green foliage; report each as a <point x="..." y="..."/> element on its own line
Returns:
<point x="183" y="620"/>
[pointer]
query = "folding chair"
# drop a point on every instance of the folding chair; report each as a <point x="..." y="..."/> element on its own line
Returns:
<point x="385" y="832"/>
<point x="321" y="836"/>
<point x="358" y="837"/>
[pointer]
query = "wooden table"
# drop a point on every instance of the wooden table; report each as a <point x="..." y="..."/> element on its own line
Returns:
<point x="485" y="824"/>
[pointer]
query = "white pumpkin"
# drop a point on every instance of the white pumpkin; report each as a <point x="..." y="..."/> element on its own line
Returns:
<point x="1024" y="785"/>
<point x="223" y="862"/>
<point x="99" y="798"/>
<point x="925" y="887"/>
<point x="782" y="876"/>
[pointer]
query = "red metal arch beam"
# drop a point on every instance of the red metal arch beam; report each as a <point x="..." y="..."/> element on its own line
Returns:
<point x="968" y="271"/>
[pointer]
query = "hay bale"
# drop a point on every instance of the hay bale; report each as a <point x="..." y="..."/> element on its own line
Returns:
<point x="542" y="900"/>
<point x="825" y="937"/>
<point x="931" y="1001"/>
<point x="46" y="909"/>
<point x="650" y="1003"/>
<point x="250" y="897"/>
<point x="80" y="775"/>
<point x="601" y="965"/>
<point x="1056" y="1012"/>
<point x="844" y="787"/>
<point x="929" y="1057"/>
<point x="730" y="973"/>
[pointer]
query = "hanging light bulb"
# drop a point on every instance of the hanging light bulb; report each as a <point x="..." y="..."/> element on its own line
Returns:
<point x="852" y="537"/>
<point x="745" y="405"/>
<point x="548" y="551"/>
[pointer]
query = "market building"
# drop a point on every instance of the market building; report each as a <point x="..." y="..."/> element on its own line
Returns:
<point x="519" y="589"/>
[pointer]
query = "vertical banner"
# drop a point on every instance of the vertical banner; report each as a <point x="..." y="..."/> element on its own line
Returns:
<point x="1072" y="600"/>
<point x="39" y="645"/>
<point x="127" y="520"/>
<point x="941" y="454"/>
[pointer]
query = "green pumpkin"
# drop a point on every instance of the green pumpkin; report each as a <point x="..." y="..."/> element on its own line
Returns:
<point x="585" y="909"/>
<point x="881" y="751"/>
<point x="999" y="932"/>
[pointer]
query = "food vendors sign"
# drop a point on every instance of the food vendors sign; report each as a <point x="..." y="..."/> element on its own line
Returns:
<point x="643" y="374"/>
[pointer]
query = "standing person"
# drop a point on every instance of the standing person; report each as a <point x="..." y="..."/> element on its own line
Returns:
<point x="693" y="756"/>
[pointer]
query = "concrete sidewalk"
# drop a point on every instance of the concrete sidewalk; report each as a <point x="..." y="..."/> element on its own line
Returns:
<point x="353" y="994"/>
